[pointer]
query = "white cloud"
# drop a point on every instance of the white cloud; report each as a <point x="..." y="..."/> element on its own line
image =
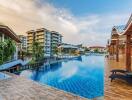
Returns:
<point x="24" y="15"/>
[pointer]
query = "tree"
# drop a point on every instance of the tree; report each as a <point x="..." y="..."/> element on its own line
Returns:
<point x="55" y="50"/>
<point x="7" y="50"/>
<point x="96" y="50"/>
<point x="38" y="52"/>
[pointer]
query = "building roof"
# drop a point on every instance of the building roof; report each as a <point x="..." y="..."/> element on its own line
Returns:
<point x="57" y="33"/>
<point x="129" y="21"/>
<point x="31" y="31"/>
<point x="9" y="32"/>
<point x="21" y="35"/>
<point x="41" y="29"/>
<point x="64" y="45"/>
<point x="128" y="26"/>
<point x="119" y="28"/>
<point x="96" y="47"/>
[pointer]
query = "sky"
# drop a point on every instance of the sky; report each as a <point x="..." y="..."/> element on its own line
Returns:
<point x="87" y="22"/>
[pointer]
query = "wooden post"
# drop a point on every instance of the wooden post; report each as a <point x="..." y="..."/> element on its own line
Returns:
<point x="110" y="50"/>
<point x="113" y="51"/>
<point x="117" y="50"/>
<point x="128" y="52"/>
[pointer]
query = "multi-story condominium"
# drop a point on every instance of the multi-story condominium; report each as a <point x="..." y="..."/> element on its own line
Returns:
<point x="30" y="39"/>
<point x="56" y="40"/>
<point x="43" y="36"/>
<point x="23" y="44"/>
<point x="47" y="39"/>
<point x="7" y="33"/>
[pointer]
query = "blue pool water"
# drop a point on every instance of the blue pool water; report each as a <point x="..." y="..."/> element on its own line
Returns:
<point x="82" y="76"/>
<point x="3" y="76"/>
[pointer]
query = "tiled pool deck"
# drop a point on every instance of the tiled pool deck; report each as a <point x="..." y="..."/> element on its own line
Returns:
<point x="20" y="88"/>
<point x="118" y="89"/>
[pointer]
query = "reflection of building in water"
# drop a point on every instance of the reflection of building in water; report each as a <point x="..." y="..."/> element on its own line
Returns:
<point x="55" y="66"/>
<point x="50" y="67"/>
<point x="45" y="69"/>
<point x="79" y="58"/>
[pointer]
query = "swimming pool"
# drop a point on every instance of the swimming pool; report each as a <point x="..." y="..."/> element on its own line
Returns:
<point x="83" y="76"/>
<point x="4" y="76"/>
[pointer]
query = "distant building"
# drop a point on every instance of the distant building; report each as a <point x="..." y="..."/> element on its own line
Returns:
<point x="49" y="40"/>
<point x="23" y="44"/>
<point x="7" y="33"/>
<point x="65" y="48"/>
<point x="97" y="48"/>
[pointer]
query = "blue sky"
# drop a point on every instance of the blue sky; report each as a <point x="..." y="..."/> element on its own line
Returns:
<point x="116" y="12"/>
<point x="79" y="21"/>
<point x="83" y="7"/>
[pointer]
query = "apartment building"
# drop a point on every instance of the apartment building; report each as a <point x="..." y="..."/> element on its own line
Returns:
<point x="47" y="39"/>
<point x="23" y="44"/>
<point x="30" y="39"/>
<point x="56" y="40"/>
<point x="43" y="36"/>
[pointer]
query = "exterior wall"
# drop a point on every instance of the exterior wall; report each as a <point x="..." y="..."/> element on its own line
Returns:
<point x="16" y="53"/>
<point x="56" y="40"/>
<point x="23" y="45"/>
<point x="30" y="39"/>
<point x="47" y="44"/>
<point x="44" y="38"/>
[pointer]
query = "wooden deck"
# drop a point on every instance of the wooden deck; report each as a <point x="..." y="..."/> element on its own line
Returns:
<point x="118" y="89"/>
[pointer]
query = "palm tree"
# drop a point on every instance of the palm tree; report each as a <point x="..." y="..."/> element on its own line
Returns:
<point x="55" y="50"/>
<point x="38" y="52"/>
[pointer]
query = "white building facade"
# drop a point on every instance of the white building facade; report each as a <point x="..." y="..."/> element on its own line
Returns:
<point x="47" y="39"/>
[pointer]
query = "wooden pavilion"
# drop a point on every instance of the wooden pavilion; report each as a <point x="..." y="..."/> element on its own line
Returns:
<point x="120" y="43"/>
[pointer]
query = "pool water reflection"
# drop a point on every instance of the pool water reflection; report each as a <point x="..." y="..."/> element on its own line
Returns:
<point x="83" y="76"/>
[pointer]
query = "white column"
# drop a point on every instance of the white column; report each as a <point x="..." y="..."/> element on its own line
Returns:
<point x="3" y="36"/>
<point x="16" y="53"/>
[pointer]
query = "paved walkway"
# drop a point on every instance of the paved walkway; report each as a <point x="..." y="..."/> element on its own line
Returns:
<point x="20" y="88"/>
<point x="118" y="89"/>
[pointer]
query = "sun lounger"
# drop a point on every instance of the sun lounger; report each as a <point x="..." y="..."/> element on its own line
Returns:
<point x="125" y="77"/>
<point x="118" y="71"/>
